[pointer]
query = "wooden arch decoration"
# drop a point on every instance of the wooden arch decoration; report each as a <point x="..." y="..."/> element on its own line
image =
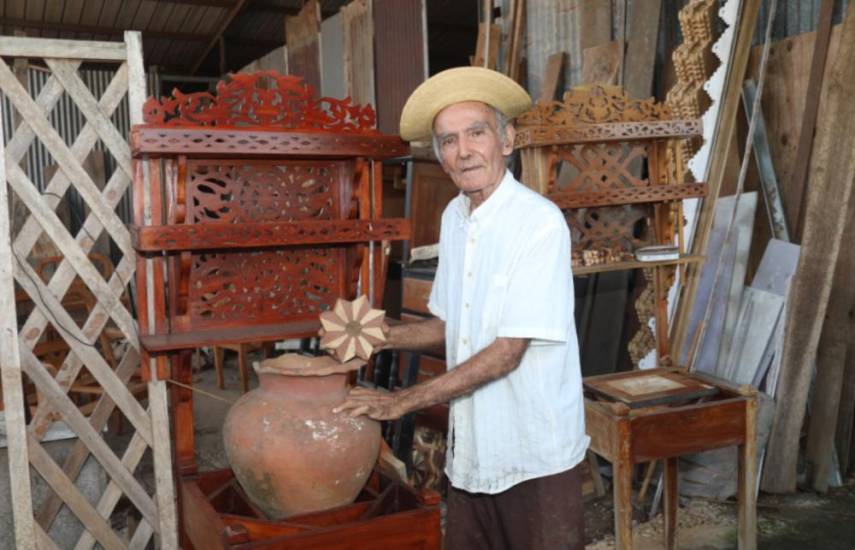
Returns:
<point x="264" y="99"/>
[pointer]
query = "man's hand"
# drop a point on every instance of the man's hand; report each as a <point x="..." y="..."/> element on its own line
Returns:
<point x="374" y="404"/>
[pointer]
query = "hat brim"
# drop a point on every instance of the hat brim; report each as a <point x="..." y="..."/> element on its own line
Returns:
<point x="454" y="86"/>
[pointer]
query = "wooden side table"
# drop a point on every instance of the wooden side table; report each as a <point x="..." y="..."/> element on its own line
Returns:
<point x="640" y="416"/>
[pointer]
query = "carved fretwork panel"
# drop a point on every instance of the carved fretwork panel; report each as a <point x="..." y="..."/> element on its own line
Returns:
<point x="599" y="167"/>
<point x="263" y="191"/>
<point x="263" y="286"/>
<point x="620" y="229"/>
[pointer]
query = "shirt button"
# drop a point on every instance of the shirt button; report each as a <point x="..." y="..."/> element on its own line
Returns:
<point x="469" y="274"/>
<point x="472" y="241"/>
<point x="466" y="305"/>
<point x="464" y="341"/>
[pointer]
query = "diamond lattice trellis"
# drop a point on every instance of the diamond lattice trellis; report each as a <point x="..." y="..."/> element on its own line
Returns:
<point x="89" y="355"/>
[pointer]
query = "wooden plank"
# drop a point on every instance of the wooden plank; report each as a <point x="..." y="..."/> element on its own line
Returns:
<point x="747" y="484"/>
<point x="209" y="236"/>
<point x="766" y="170"/>
<point x="641" y="47"/>
<point x="359" y="51"/>
<point x="416" y="293"/>
<point x="78" y="423"/>
<point x="831" y="362"/>
<point x="826" y="217"/>
<point x="61" y="49"/>
<point x="480" y="59"/>
<point x="783" y="106"/>
<point x="10" y="374"/>
<point x="162" y="453"/>
<point x="72" y="497"/>
<point x="846" y="416"/>
<point x="551" y="77"/>
<point x="669" y="506"/>
<point x="302" y="39"/>
<point x="811" y="111"/>
<point x="202" y="524"/>
<point x="601" y="64"/>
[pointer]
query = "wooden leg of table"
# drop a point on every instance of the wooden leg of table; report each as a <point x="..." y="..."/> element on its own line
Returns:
<point x="218" y="366"/>
<point x="623" y="504"/>
<point x="670" y="503"/>
<point x="748" y="480"/>
<point x="243" y="350"/>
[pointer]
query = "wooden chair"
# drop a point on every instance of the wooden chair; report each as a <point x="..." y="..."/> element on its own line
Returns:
<point x="242" y="350"/>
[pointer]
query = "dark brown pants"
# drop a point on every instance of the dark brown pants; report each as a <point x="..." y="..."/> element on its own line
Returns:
<point x="538" y="514"/>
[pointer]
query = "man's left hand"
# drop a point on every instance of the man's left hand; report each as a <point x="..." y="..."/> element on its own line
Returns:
<point x="374" y="404"/>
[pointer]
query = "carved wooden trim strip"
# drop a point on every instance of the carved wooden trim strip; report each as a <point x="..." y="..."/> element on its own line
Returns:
<point x="606" y="131"/>
<point x="232" y="142"/>
<point x="633" y="195"/>
<point x="265" y="234"/>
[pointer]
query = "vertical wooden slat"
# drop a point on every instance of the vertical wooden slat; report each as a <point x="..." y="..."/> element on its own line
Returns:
<point x="10" y="374"/>
<point x="161" y="449"/>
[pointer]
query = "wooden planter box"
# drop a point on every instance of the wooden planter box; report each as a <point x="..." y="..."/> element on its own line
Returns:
<point x="387" y="514"/>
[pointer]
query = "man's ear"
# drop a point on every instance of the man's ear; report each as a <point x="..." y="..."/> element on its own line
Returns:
<point x="508" y="142"/>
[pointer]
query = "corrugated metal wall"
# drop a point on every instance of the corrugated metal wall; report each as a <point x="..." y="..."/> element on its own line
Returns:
<point x="68" y="121"/>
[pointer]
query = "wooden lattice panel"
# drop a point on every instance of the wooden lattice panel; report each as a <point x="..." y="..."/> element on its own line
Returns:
<point x="54" y="307"/>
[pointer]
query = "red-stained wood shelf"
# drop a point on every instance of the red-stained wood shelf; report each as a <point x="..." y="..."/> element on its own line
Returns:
<point x="629" y="195"/>
<point x="210" y="236"/>
<point x="174" y="341"/>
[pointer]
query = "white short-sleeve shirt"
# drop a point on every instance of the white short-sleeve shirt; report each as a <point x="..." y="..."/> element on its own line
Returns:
<point x="504" y="271"/>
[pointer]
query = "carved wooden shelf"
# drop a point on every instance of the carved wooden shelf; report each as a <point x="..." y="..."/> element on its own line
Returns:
<point x="175" y="341"/>
<point x="209" y="236"/>
<point x="633" y="264"/>
<point x="606" y="132"/>
<point x="254" y="143"/>
<point x="629" y="195"/>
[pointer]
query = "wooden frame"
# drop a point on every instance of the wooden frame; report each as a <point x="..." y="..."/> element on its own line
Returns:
<point x="150" y="423"/>
<point x="245" y="237"/>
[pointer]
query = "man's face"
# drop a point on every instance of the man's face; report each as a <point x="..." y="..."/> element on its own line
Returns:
<point x="471" y="150"/>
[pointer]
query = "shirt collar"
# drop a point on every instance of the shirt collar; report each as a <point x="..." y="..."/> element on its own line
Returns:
<point x="489" y="207"/>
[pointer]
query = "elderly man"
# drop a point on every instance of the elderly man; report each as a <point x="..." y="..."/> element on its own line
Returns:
<point x="503" y="305"/>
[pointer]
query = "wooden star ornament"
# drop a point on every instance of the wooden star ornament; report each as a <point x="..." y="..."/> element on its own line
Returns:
<point x="352" y="329"/>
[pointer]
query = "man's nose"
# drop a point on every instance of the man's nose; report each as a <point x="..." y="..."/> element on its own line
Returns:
<point x="463" y="149"/>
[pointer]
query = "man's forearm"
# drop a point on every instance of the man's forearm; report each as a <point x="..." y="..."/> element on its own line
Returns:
<point x="494" y="361"/>
<point x="417" y="335"/>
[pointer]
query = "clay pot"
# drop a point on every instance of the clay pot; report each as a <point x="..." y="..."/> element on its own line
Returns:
<point x="288" y="450"/>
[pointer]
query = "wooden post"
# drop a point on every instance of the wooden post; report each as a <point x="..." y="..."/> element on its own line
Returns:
<point x="830" y="189"/>
<point x="672" y="496"/>
<point x="831" y="363"/>
<point x="622" y="482"/>
<point x="10" y="374"/>
<point x="747" y="480"/>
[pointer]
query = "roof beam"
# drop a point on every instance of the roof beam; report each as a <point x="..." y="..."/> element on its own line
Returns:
<point x="93" y="29"/>
<point x="221" y="28"/>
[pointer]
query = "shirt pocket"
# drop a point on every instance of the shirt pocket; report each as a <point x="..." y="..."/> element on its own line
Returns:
<point x="494" y="303"/>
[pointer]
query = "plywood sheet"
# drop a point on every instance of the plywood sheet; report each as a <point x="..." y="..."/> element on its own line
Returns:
<point x="302" y="37"/>
<point x="359" y="51"/>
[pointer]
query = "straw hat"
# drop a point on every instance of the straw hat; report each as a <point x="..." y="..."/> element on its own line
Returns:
<point x="454" y="86"/>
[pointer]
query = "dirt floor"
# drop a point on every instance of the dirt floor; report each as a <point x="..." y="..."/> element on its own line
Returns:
<point x="804" y="521"/>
